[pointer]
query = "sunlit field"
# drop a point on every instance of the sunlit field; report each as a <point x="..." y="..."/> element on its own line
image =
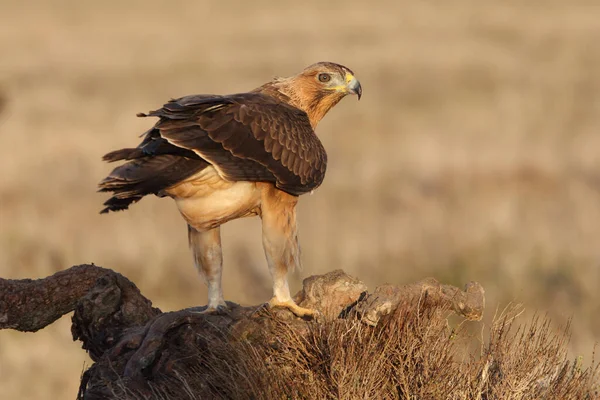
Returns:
<point x="474" y="153"/>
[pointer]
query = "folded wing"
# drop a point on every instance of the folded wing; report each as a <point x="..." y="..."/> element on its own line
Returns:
<point x="245" y="137"/>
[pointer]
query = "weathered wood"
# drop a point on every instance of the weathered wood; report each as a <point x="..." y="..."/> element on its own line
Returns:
<point x="113" y="305"/>
<point x="138" y="349"/>
<point x="29" y="305"/>
<point x="386" y="298"/>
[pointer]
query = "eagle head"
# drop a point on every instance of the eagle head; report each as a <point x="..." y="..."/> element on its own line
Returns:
<point x="318" y="88"/>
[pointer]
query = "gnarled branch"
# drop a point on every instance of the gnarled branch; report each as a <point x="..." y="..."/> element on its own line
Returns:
<point x="29" y="305"/>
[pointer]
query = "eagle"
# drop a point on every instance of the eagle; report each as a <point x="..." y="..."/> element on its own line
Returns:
<point x="223" y="157"/>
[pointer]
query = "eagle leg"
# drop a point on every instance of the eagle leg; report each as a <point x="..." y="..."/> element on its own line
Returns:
<point x="208" y="257"/>
<point x="280" y="242"/>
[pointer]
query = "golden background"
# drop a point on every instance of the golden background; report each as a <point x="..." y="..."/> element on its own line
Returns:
<point x="474" y="153"/>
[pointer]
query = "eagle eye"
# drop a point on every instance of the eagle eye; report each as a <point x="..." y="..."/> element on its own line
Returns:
<point x="324" y="77"/>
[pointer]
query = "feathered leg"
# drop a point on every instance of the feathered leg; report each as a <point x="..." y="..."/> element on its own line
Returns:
<point x="206" y="248"/>
<point x="280" y="241"/>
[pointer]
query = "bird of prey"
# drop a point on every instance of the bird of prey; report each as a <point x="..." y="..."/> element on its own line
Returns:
<point x="222" y="157"/>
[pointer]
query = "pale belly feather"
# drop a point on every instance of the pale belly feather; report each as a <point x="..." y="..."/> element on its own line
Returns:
<point x="206" y="200"/>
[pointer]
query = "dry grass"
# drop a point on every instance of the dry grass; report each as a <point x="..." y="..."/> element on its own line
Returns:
<point x="474" y="153"/>
<point x="412" y="354"/>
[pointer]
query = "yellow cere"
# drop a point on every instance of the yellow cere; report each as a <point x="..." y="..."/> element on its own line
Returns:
<point x="349" y="78"/>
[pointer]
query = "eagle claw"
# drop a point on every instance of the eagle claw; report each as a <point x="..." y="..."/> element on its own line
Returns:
<point x="218" y="310"/>
<point x="294" y="308"/>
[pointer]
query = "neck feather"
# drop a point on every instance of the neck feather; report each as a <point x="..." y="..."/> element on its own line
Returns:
<point x="306" y="96"/>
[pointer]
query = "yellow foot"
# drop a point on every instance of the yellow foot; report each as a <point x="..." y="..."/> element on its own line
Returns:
<point x="220" y="309"/>
<point x="293" y="307"/>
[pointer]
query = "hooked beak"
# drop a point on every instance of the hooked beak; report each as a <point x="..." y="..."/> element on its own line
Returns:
<point x="354" y="87"/>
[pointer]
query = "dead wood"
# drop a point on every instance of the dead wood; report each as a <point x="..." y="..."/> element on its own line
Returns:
<point x="29" y="305"/>
<point x="138" y="349"/>
<point x="386" y="298"/>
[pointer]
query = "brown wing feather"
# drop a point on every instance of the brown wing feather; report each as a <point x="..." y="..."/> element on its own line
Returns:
<point x="249" y="136"/>
<point x="246" y="137"/>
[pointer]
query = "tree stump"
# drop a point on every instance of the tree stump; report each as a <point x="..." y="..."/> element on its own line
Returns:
<point x="141" y="352"/>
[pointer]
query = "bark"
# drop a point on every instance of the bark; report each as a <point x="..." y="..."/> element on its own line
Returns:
<point x="468" y="303"/>
<point x="136" y="347"/>
<point x="29" y="305"/>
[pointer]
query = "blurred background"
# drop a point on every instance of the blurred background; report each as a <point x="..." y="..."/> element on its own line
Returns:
<point x="474" y="153"/>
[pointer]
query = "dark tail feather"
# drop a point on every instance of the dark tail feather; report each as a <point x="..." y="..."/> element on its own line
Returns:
<point x="115" y="204"/>
<point x="140" y="177"/>
<point x="122" y="154"/>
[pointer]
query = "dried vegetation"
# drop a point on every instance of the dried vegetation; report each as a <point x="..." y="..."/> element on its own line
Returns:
<point x="473" y="154"/>
<point x="412" y="354"/>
